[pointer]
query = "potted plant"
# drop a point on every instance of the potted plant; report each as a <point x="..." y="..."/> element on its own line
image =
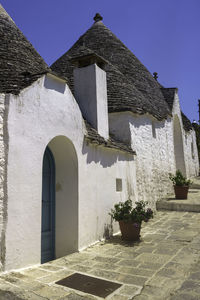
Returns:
<point x="130" y="218"/>
<point x="181" y="184"/>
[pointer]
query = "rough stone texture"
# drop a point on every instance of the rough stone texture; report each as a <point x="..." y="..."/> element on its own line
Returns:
<point x="3" y="176"/>
<point x="20" y="64"/>
<point x="155" y="155"/>
<point x="130" y="85"/>
<point x="191" y="153"/>
<point x="161" y="147"/>
<point x="189" y="138"/>
<point x="164" y="265"/>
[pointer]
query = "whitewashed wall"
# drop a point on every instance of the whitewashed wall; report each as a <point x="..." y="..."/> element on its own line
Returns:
<point x="47" y="110"/>
<point x="40" y="113"/>
<point x="155" y="150"/>
<point x="191" y="155"/>
<point x="3" y="175"/>
<point x="189" y="137"/>
<point x="97" y="186"/>
<point x="155" y="155"/>
<point x="35" y="117"/>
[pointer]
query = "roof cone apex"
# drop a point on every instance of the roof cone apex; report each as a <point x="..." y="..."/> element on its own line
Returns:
<point x="97" y="17"/>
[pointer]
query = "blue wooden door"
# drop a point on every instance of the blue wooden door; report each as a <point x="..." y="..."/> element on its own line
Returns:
<point x="48" y="208"/>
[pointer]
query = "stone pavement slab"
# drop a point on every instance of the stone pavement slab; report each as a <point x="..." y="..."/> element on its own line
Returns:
<point x="164" y="264"/>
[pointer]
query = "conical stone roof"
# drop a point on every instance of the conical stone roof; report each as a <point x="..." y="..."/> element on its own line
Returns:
<point x="20" y="64"/>
<point x="130" y="85"/>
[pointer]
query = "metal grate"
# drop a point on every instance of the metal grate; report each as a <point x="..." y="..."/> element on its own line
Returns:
<point x="90" y="285"/>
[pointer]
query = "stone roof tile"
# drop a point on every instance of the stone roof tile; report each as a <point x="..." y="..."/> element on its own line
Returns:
<point x="93" y="137"/>
<point x="20" y="64"/>
<point x="130" y="85"/>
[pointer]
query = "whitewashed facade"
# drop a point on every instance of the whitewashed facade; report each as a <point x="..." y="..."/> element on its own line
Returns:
<point x="162" y="147"/>
<point x="46" y="114"/>
<point x="92" y="172"/>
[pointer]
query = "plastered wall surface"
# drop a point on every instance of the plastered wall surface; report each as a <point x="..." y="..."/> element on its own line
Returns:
<point x="40" y="113"/>
<point x="192" y="165"/>
<point x="47" y="114"/>
<point x="3" y="176"/>
<point x="102" y="167"/>
<point x="155" y="158"/>
<point x="90" y="90"/>
<point x="66" y="204"/>
<point x="36" y="116"/>
<point x="191" y="159"/>
<point x="155" y="154"/>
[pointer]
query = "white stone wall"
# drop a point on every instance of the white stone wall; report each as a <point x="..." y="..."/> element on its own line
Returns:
<point x="41" y="112"/>
<point x="191" y="155"/>
<point x="97" y="187"/>
<point x="191" y="159"/>
<point x="3" y="176"/>
<point x="155" y="155"/>
<point x="47" y="110"/>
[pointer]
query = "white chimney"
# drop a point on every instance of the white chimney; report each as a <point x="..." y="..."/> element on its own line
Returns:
<point x="90" y="91"/>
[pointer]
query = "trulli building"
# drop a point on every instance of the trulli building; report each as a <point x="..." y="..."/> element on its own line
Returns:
<point x="93" y="129"/>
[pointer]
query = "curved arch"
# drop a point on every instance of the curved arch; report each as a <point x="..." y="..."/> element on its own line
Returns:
<point x="178" y="146"/>
<point x="66" y="195"/>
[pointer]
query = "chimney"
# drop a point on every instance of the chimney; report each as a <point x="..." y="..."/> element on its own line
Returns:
<point x="90" y="91"/>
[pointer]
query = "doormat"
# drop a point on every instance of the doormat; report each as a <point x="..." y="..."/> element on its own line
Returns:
<point x="90" y="285"/>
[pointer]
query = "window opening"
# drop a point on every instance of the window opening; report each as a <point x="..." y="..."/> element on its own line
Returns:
<point x="118" y="184"/>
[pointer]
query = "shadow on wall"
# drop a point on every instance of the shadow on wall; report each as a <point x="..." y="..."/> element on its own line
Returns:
<point x="54" y="84"/>
<point x="178" y="146"/>
<point x="143" y="120"/>
<point x="66" y="204"/>
<point x="106" y="157"/>
<point x="108" y="231"/>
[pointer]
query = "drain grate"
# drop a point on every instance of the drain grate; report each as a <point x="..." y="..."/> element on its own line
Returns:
<point x="90" y="285"/>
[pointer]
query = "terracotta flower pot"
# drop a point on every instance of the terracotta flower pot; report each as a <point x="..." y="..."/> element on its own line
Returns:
<point x="130" y="230"/>
<point x="181" y="192"/>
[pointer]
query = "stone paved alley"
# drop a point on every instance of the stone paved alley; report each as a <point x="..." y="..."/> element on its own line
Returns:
<point x="165" y="264"/>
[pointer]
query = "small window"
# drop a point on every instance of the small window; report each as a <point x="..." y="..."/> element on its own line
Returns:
<point x="186" y="139"/>
<point x="153" y="129"/>
<point x="118" y="184"/>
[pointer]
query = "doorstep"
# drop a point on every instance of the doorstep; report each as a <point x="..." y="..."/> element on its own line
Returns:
<point x="192" y="204"/>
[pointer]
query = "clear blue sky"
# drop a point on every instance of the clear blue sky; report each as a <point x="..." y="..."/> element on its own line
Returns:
<point x="163" y="34"/>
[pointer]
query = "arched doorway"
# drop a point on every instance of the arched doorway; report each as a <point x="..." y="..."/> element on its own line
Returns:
<point x="48" y="208"/>
<point x="178" y="146"/>
<point x="66" y="196"/>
